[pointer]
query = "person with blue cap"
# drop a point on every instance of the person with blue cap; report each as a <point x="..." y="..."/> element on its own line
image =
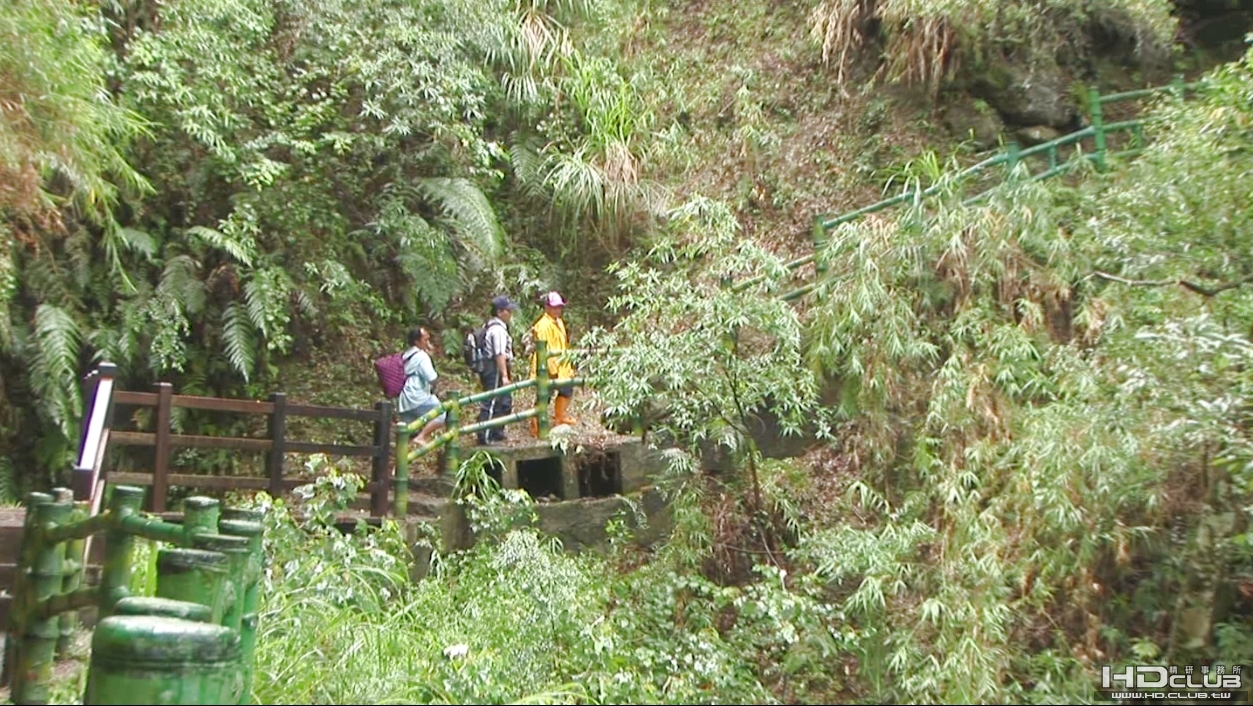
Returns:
<point x="495" y="374"/>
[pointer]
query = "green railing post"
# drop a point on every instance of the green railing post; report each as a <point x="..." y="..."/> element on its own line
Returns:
<point x="400" y="502"/>
<point x="21" y="592"/>
<point x="37" y="653"/>
<point x="1011" y="159"/>
<point x="149" y="659"/>
<point x="254" y="531"/>
<point x="193" y="575"/>
<point x="75" y="563"/>
<point x="1098" y="125"/>
<point x="200" y="516"/>
<point x="237" y="556"/>
<point x="119" y="546"/>
<point x="820" y="243"/>
<point x="541" y="388"/>
<point x="452" y="426"/>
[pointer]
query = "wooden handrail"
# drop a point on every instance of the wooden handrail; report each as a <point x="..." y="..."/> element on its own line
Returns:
<point x="99" y="436"/>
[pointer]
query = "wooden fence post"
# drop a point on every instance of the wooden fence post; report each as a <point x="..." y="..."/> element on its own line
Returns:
<point x="278" y="441"/>
<point x="161" y="466"/>
<point x="382" y="457"/>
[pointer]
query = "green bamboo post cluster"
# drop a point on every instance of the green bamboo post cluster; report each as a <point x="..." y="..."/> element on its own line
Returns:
<point x="193" y="643"/>
<point x="1098" y="131"/>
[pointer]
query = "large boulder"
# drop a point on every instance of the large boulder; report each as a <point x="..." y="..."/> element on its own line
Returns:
<point x="1038" y="95"/>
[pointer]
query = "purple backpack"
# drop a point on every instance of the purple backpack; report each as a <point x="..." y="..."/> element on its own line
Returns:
<point x="391" y="372"/>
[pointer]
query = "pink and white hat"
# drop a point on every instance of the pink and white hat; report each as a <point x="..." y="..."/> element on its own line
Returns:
<point x="554" y="299"/>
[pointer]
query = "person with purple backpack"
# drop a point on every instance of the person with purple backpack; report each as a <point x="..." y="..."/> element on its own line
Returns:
<point x="417" y="397"/>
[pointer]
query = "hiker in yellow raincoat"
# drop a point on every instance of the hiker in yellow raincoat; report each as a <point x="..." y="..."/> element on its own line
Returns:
<point x="551" y="329"/>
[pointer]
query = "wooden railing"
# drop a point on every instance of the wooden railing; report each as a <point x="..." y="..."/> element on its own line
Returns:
<point x="100" y="435"/>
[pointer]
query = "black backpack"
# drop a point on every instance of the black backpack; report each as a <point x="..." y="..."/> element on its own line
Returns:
<point x="474" y="349"/>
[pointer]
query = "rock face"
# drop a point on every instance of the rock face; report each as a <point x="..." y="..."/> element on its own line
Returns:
<point x="966" y="121"/>
<point x="1037" y="134"/>
<point x="1028" y="96"/>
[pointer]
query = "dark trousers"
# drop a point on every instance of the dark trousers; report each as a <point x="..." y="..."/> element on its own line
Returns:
<point x="498" y="406"/>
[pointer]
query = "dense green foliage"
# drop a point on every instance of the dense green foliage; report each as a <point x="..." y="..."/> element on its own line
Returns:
<point x="306" y="186"/>
<point x="513" y="620"/>
<point x="1026" y="418"/>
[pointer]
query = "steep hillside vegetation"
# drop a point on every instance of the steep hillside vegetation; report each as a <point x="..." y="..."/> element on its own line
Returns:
<point x="1025" y="419"/>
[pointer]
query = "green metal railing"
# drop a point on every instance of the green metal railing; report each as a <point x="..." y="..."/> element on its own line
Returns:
<point x="193" y="643"/>
<point x="1098" y="131"/>
<point x="454" y="429"/>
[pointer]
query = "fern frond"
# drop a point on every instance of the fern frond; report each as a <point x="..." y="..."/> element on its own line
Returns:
<point x="527" y="165"/>
<point x="54" y="365"/>
<point x="305" y="302"/>
<point x="244" y="252"/>
<point x="472" y="215"/>
<point x="180" y="284"/>
<point x="241" y="349"/>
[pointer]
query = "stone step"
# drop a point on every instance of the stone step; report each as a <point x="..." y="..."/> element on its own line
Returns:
<point x="439" y="486"/>
<point x="426" y="505"/>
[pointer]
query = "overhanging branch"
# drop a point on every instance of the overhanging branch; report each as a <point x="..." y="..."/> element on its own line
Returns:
<point x="1186" y="284"/>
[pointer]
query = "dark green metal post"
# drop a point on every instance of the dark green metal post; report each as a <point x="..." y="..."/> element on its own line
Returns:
<point x="541" y="388"/>
<point x="115" y="576"/>
<point x="254" y="532"/>
<point x="200" y="516"/>
<point x="1098" y="125"/>
<point x="193" y="575"/>
<point x="73" y="567"/>
<point x="148" y="659"/>
<point x="21" y="589"/>
<point x="820" y="244"/>
<point x="237" y="557"/>
<point x="400" y="503"/>
<point x="39" y="639"/>
<point x="451" y="424"/>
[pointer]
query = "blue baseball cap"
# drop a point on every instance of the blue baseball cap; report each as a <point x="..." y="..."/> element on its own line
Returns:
<point x="503" y="302"/>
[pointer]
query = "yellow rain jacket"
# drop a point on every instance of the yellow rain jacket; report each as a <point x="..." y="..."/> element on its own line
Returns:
<point x="552" y="331"/>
